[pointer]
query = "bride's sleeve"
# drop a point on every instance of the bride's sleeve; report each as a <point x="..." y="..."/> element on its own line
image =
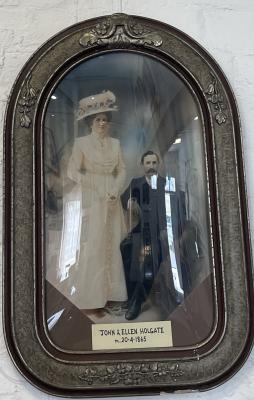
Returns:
<point x="76" y="164"/>
<point x="121" y="171"/>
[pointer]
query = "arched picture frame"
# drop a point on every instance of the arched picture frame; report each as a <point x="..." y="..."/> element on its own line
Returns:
<point x="127" y="265"/>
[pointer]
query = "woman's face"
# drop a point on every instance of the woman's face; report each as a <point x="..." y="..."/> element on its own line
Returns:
<point x="100" y="124"/>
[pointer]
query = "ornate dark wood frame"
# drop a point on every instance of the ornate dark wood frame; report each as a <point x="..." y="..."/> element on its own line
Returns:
<point x="136" y="373"/>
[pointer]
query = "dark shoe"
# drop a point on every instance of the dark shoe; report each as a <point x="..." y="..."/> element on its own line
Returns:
<point x="133" y="310"/>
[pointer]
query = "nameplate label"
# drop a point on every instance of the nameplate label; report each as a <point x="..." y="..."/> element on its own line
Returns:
<point x="131" y="335"/>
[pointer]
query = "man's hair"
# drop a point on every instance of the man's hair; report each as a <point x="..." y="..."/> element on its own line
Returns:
<point x="149" y="153"/>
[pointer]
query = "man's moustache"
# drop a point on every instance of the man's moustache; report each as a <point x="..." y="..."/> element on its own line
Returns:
<point x="152" y="170"/>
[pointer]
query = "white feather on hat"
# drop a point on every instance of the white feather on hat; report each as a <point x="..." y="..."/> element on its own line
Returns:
<point x="96" y="104"/>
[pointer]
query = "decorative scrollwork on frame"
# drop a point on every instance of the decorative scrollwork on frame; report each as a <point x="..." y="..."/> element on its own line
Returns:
<point x="27" y="101"/>
<point x="215" y="97"/>
<point x="123" y="30"/>
<point x="131" y="374"/>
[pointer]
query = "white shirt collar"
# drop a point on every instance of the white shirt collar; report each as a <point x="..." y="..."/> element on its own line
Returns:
<point x="152" y="181"/>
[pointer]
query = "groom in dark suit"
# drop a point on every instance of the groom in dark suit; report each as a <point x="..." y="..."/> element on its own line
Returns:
<point x="146" y="250"/>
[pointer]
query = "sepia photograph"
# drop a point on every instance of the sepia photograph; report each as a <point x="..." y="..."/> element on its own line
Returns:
<point x="127" y="229"/>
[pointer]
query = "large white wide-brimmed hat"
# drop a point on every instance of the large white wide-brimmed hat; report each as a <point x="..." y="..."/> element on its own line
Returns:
<point x="96" y="104"/>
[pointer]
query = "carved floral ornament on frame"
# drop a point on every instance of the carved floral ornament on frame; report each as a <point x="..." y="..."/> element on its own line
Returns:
<point x="126" y="136"/>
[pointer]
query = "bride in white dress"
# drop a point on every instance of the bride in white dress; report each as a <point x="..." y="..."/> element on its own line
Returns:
<point x="96" y="165"/>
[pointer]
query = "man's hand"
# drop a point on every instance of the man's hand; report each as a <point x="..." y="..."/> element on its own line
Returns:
<point x="133" y="207"/>
<point x="132" y="203"/>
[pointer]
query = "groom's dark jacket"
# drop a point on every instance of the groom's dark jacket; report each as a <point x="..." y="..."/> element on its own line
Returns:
<point x="148" y="244"/>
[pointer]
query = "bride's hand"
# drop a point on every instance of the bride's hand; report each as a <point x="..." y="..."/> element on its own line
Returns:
<point x="111" y="197"/>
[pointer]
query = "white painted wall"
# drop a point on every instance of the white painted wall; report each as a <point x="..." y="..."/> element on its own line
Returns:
<point x="224" y="27"/>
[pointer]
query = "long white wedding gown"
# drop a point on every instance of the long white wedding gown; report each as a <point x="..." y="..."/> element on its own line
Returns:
<point x="97" y="166"/>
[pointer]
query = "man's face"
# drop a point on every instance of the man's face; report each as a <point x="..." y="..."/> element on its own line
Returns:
<point x="150" y="165"/>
